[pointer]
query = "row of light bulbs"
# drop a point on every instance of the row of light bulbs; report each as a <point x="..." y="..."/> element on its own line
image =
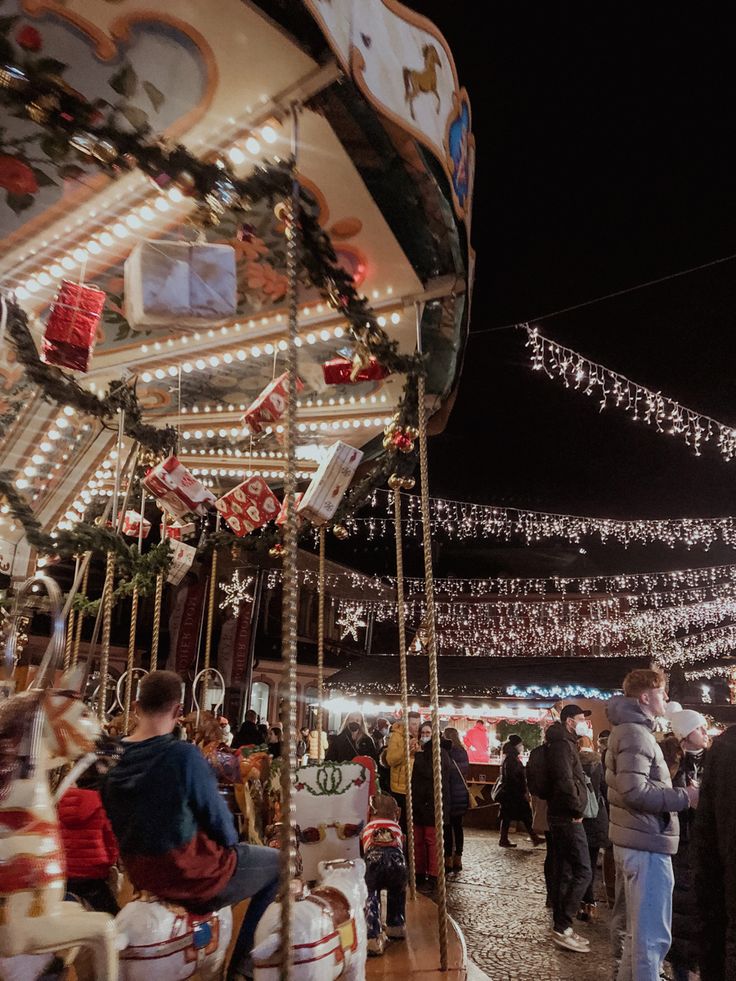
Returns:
<point x="309" y="403"/>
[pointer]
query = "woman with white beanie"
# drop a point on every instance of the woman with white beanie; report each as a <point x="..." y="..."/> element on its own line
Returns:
<point x="689" y="728"/>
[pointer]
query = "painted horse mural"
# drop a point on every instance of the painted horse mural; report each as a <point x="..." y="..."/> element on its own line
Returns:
<point x="418" y="81"/>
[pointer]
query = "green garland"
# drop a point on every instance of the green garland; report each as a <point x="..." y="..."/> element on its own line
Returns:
<point x="57" y="386"/>
<point x="93" y="131"/>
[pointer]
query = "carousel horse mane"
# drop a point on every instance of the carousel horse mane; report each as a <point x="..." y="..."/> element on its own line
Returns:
<point x="18" y="715"/>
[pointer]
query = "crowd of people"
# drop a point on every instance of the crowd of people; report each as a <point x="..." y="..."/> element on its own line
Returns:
<point x="656" y="811"/>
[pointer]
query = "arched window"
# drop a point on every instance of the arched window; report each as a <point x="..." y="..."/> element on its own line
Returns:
<point x="259" y="698"/>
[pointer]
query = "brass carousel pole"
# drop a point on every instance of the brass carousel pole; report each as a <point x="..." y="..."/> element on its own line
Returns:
<point x="157" y="607"/>
<point x="290" y="591"/>
<point x="210" y="622"/>
<point x="434" y="693"/>
<point x="69" y="643"/>
<point x="110" y="579"/>
<point x="320" y="640"/>
<point x="80" y="614"/>
<point x="133" y="625"/>
<point x="396" y="483"/>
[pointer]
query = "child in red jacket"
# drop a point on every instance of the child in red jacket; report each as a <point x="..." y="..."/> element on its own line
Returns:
<point x="89" y="844"/>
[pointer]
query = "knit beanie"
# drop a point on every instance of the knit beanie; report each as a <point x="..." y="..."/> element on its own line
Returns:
<point x="514" y="739"/>
<point x="685" y="721"/>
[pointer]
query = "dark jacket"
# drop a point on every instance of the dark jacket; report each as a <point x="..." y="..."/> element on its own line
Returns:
<point x="249" y="734"/>
<point x="714" y="842"/>
<point x="513" y="799"/>
<point x="422" y="786"/>
<point x="459" y="797"/>
<point x="175" y="832"/>
<point x="90" y="848"/>
<point x="596" y="829"/>
<point x="641" y="798"/>
<point x="686" y="921"/>
<point x="568" y="795"/>
<point x="344" y="748"/>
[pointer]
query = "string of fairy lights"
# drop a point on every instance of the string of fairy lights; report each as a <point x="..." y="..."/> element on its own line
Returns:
<point x="464" y="521"/>
<point x="644" y="405"/>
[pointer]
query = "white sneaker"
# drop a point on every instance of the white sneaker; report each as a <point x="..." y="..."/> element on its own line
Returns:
<point x="571" y="941"/>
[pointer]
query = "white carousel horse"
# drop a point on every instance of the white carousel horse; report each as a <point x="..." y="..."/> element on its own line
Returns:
<point x="40" y="729"/>
<point x="329" y="937"/>
<point x="164" y="941"/>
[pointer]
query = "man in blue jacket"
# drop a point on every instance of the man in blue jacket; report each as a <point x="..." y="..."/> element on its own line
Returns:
<point x="177" y="837"/>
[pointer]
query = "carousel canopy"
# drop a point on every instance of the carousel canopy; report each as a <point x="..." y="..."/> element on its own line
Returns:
<point x="385" y="153"/>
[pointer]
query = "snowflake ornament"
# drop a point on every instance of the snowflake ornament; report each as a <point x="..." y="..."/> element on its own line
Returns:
<point x="351" y="621"/>
<point x="237" y="591"/>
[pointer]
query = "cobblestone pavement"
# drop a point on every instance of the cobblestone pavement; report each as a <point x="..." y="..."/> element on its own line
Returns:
<point x="498" y="901"/>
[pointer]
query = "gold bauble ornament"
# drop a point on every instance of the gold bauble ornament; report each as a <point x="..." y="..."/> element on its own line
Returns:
<point x="407" y="483"/>
<point x="341" y="532"/>
<point x="395" y="482"/>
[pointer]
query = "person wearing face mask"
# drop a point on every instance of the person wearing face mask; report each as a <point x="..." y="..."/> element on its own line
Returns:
<point x="422" y="798"/>
<point x="566" y="803"/>
<point x="690" y="730"/>
<point x="352" y="740"/>
<point x="643" y="827"/>
<point x="514" y="797"/>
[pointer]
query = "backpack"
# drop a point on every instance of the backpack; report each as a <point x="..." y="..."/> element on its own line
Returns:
<point x="592" y="806"/>
<point x="537" y="773"/>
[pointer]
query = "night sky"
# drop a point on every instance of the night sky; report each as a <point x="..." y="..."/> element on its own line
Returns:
<point x="602" y="162"/>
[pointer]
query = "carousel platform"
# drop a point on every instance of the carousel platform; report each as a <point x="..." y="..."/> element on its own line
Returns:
<point x="418" y="957"/>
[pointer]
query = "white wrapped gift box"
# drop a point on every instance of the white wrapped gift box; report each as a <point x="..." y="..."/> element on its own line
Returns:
<point x="191" y="284"/>
<point x="329" y="483"/>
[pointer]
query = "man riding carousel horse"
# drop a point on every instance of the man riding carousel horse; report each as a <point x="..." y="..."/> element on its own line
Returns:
<point x="177" y="837"/>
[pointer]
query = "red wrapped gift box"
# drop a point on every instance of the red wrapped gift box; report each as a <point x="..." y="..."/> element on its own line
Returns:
<point x="339" y="370"/>
<point x="270" y="404"/>
<point x="177" y="531"/>
<point x="248" y="506"/>
<point x="70" y="332"/>
<point x="178" y="491"/>
<point x="132" y="525"/>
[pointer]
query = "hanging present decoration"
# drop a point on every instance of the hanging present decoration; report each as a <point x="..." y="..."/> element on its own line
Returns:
<point x="191" y="284"/>
<point x="248" y="506"/>
<point x="69" y="338"/>
<point x="330" y="482"/>
<point x="176" y="490"/>
<point x="182" y="557"/>
<point x="270" y="404"/>
<point x="342" y="371"/>
<point x="179" y="530"/>
<point x="132" y="525"/>
<point x="281" y="518"/>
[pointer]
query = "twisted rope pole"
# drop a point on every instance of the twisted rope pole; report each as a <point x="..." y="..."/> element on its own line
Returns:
<point x="290" y="588"/>
<point x="80" y="619"/>
<point x="210" y="624"/>
<point x="434" y="689"/>
<point x="404" y="686"/>
<point x="320" y="639"/>
<point x="133" y="625"/>
<point x="107" y="590"/>
<point x="157" y="607"/>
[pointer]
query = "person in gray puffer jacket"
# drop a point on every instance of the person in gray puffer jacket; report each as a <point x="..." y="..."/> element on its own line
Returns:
<point x="643" y="827"/>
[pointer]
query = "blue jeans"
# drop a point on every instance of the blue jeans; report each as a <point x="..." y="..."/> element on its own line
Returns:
<point x="256" y="877"/>
<point x="648" y="881"/>
<point x="570" y="871"/>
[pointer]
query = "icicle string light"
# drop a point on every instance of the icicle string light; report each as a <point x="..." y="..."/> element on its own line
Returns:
<point x="652" y="408"/>
<point x="462" y="521"/>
